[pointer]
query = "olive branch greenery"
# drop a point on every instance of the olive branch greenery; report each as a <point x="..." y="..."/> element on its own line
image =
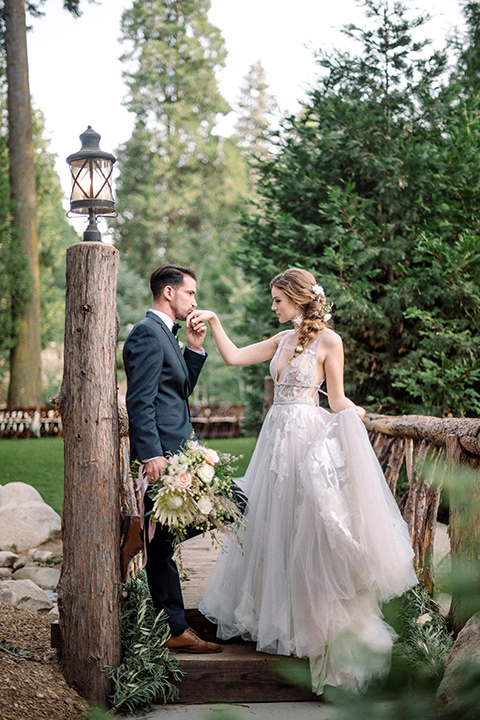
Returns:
<point x="147" y="672"/>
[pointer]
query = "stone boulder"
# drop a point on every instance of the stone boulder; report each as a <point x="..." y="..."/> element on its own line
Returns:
<point x="45" y="577"/>
<point x="25" y="519"/>
<point x="7" y="558"/>
<point x="25" y="595"/>
<point x="462" y="666"/>
<point x="18" y="493"/>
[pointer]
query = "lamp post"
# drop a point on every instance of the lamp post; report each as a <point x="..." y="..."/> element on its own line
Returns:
<point x="89" y="589"/>
<point x="92" y="192"/>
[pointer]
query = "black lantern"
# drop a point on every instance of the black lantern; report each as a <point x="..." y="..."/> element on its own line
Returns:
<point x="92" y="192"/>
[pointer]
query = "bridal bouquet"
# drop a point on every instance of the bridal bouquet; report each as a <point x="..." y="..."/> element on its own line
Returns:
<point x="195" y="490"/>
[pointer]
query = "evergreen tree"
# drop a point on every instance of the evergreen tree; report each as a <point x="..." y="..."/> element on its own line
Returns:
<point x="25" y="387"/>
<point x="362" y="175"/>
<point x="171" y="167"/>
<point x="180" y="185"/>
<point x="55" y="234"/>
<point x="255" y="109"/>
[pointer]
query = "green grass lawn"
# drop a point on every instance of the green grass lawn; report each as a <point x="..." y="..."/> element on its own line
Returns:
<point x="39" y="462"/>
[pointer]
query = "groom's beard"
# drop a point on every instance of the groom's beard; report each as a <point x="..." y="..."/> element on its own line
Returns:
<point x="182" y="315"/>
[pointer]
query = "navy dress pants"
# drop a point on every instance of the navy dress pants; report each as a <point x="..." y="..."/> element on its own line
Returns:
<point x="162" y="572"/>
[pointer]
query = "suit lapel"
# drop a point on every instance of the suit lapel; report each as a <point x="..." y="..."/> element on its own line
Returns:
<point x="171" y="339"/>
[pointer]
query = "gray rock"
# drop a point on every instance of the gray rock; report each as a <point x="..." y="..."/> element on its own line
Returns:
<point x="27" y="525"/>
<point x="462" y="660"/>
<point x="25" y="595"/>
<point x="5" y="572"/>
<point x="20" y="562"/>
<point x="44" y="577"/>
<point x="7" y="558"/>
<point x="42" y="556"/>
<point x="18" y="493"/>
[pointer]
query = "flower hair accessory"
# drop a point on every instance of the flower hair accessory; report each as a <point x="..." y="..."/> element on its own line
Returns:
<point x="318" y="290"/>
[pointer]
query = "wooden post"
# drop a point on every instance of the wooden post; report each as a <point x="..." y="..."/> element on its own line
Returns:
<point x="90" y="586"/>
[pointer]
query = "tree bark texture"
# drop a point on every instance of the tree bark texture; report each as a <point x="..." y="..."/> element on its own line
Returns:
<point x="25" y="388"/>
<point x="90" y="586"/>
<point x="432" y="429"/>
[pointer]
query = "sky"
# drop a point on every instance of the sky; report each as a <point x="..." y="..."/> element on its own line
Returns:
<point x="76" y="74"/>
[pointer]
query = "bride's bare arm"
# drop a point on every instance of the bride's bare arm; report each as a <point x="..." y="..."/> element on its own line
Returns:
<point x="232" y="355"/>
<point x="333" y="363"/>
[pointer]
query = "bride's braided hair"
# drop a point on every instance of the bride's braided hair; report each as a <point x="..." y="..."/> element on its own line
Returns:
<point x="300" y="287"/>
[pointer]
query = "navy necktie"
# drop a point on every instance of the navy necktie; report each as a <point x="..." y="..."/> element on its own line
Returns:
<point x="176" y="328"/>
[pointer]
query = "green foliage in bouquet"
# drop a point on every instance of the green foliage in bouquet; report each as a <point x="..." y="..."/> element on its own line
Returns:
<point x="147" y="672"/>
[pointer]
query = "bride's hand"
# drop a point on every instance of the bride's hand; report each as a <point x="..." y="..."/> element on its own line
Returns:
<point x="198" y="316"/>
<point x="360" y="411"/>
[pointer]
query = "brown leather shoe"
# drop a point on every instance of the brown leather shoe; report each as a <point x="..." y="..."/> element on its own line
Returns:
<point x="132" y="542"/>
<point x="189" y="641"/>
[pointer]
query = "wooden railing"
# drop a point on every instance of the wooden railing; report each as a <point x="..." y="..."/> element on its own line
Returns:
<point x="210" y="421"/>
<point x="449" y="445"/>
<point x="30" y="422"/>
<point x="219" y="420"/>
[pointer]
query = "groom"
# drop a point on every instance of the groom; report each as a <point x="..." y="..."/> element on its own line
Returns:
<point x="159" y="382"/>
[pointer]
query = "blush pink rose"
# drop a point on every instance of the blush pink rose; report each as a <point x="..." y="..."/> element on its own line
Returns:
<point x="183" y="480"/>
<point x="211" y="456"/>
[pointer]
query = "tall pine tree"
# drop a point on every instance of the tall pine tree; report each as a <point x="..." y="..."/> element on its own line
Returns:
<point x="363" y="174"/>
<point x="179" y="184"/>
<point x="172" y="167"/>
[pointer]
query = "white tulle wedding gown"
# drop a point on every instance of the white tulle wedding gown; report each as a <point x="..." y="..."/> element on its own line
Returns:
<point x="324" y="543"/>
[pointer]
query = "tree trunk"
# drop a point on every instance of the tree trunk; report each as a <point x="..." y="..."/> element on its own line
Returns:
<point x="90" y="587"/>
<point x="25" y="389"/>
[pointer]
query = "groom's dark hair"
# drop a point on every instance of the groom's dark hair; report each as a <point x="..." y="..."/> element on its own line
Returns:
<point x="168" y="275"/>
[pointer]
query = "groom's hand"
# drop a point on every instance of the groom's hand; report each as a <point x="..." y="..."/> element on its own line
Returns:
<point x="154" y="468"/>
<point x="195" y="334"/>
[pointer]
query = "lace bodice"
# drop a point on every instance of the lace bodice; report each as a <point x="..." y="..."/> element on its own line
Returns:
<point x="297" y="384"/>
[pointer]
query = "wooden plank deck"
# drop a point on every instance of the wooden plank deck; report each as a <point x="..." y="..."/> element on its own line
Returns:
<point x="239" y="673"/>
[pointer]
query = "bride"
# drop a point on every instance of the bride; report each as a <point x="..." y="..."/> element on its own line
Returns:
<point x="324" y="543"/>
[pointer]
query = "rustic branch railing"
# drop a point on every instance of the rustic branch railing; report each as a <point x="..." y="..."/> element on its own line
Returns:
<point x="406" y="442"/>
<point x="30" y="422"/>
<point x="221" y="420"/>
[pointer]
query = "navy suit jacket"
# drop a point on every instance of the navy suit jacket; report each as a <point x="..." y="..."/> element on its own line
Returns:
<point x="159" y="382"/>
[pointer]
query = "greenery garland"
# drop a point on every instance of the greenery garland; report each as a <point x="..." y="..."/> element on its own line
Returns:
<point x="148" y="671"/>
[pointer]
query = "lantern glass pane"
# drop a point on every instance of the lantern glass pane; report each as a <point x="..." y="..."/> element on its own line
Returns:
<point x="91" y="185"/>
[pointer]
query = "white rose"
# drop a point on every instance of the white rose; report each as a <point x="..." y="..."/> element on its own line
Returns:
<point x="204" y="505"/>
<point x="177" y="467"/>
<point x="206" y="473"/>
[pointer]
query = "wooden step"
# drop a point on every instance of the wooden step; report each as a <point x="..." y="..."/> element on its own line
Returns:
<point x="239" y="673"/>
